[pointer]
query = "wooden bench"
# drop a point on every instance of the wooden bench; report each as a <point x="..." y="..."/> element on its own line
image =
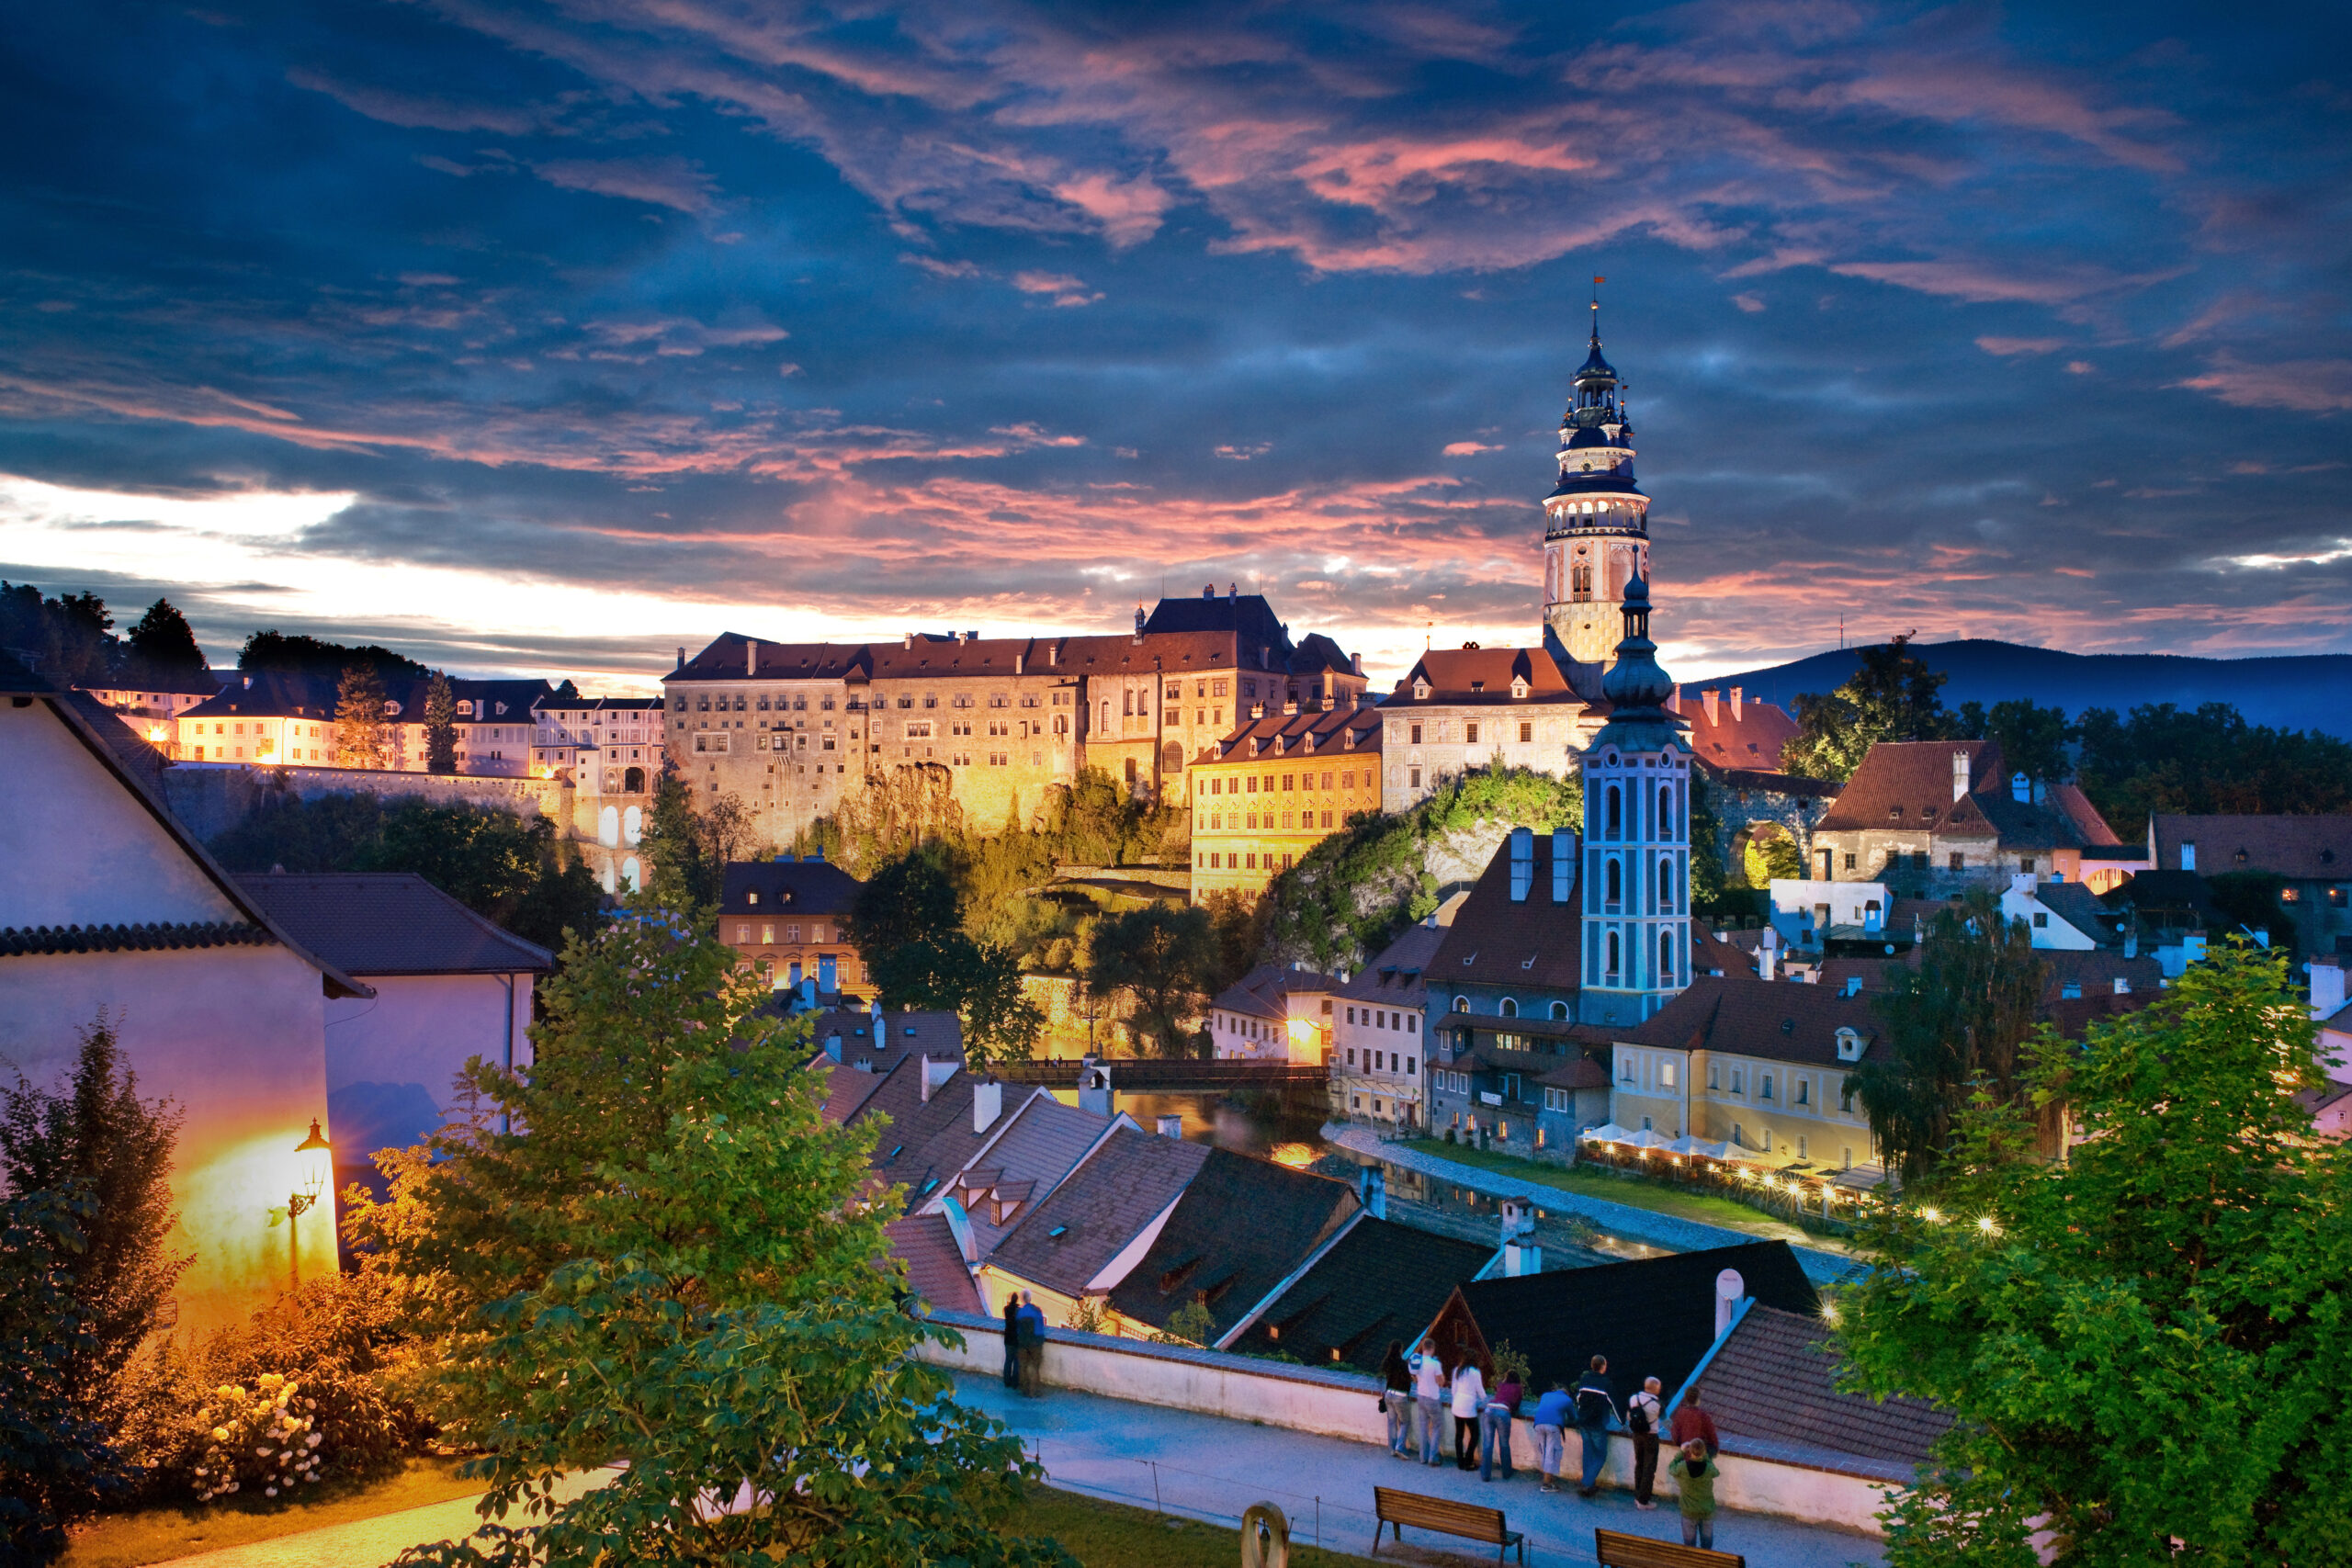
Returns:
<point x="1615" y="1549"/>
<point x="1444" y="1516"/>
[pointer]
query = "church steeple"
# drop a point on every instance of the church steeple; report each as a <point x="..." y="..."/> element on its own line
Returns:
<point x="1596" y="535"/>
<point x="1636" y="837"/>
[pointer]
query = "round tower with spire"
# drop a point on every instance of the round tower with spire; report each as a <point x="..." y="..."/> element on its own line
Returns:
<point x="1595" y="534"/>
<point x="1637" y="871"/>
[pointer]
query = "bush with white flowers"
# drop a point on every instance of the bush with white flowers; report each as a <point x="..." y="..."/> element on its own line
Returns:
<point x="265" y="1436"/>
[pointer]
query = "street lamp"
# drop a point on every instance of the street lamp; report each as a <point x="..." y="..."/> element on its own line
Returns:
<point x="317" y="1166"/>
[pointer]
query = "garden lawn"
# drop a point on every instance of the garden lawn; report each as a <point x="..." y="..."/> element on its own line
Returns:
<point x="158" y="1535"/>
<point x="1631" y="1191"/>
<point x="1112" y="1535"/>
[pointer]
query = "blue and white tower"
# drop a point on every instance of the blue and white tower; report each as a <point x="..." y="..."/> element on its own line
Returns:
<point x="1636" y="837"/>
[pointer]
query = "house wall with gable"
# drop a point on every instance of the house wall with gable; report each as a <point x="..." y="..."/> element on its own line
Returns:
<point x="231" y="1034"/>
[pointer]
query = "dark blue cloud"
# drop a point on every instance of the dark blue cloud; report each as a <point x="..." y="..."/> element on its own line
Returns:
<point x="2019" y="323"/>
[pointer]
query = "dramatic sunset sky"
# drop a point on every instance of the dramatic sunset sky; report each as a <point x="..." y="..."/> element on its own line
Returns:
<point x="547" y="335"/>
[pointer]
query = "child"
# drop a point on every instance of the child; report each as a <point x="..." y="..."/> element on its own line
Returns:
<point x="1695" y="1475"/>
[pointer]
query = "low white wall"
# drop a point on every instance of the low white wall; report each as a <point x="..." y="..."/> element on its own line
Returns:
<point x="1345" y="1405"/>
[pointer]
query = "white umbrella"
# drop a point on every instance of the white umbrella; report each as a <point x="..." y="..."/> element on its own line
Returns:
<point x="1645" y="1139"/>
<point x="1606" y="1133"/>
<point x="1698" y="1148"/>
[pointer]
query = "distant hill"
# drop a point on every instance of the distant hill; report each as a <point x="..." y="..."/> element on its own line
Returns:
<point x="2299" y="692"/>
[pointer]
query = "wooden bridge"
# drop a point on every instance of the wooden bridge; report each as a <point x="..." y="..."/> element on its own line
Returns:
<point x="1148" y="1075"/>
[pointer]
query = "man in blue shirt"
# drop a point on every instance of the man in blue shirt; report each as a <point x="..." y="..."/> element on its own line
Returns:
<point x="1596" y="1412"/>
<point x="1033" y="1347"/>
<point x="1551" y="1423"/>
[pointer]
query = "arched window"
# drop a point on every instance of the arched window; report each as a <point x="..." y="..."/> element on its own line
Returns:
<point x="1580" y="579"/>
<point x="1615" y="890"/>
<point x="1616" y="812"/>
<point x="1559" y="1012"/>
<point x="1510" y="1007"/>
<point x="1665" y="884"/>
<point x="1666" y="958"/>
<point x="1462" y="1004"/>
<point x="633" y="780"/>
<point x="1611" y="970"/>
<point x="1666" y="811"/>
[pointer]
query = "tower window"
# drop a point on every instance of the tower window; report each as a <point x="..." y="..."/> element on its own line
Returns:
<point x="1616" y="812"/>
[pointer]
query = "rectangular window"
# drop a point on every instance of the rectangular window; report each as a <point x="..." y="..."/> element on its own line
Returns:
<point x="1666" y="1074"/>
<point x="1415" y="736"/>
<point x="1416" y="781"/>
<point x="1954" y="862"/>
<point x="1470" y="732"/>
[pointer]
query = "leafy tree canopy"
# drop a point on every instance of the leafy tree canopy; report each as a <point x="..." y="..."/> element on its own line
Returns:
<point x="909" y="925"/>
<point x="1957" y="1023"/>
<point x="302" y="655"/>
<point x="440" y="726"/>
<point x="688" y="844"/>
<point x="163" y="641"/>
<point x="1893" y="697"/>
<point x="70" y="636"/>
<point x="683" y="1263"/>
<point x="2032" y="738"/>
<point x="1165" y="958"/>
<point x="2211" y="760"/>
<point x="57" y="1463"/>
<point x="2143" y="1344"/>
<point x="511" y="870"/>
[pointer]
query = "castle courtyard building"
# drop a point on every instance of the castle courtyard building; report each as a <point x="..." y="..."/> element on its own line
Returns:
<point x="1460" y="709"/>
<point x="1266" y="794"/>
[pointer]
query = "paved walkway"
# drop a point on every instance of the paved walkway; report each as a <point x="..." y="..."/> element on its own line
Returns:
<point x="1619" y="1219"/>
<point x="370" y="1543"/>
<point x="1211" y="1467"/>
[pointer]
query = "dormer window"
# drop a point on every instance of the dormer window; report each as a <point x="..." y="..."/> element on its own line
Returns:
<point x="1894" y="814"/>
<point x="1519" y="686"/>
<point x="465" y="706"/>
<point x="1849" y="1045"/>
<point x="1420" y="691"/>
<point x="752" y="897"/>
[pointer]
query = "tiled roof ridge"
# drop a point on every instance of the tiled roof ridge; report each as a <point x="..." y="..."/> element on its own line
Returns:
<point x="157" y="936"/>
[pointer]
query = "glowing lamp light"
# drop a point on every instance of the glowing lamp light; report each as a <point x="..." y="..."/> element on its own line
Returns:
<point x="158" y="733"/>
<point x="1933" y="1217"/>
<point x="311" y="1175"/>
<point x="1986" y="1224"/>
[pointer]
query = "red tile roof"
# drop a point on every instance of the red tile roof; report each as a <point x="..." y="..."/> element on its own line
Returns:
<point x="1750" y="739"/>
<point x="2307" y="848"/>
<point x="1483" y="675"/>
<point x="1495" y="941"/>
<point x="1774" y="1380"/>
<point x="935" y="1270"/>
<point x="1341" y="732"/>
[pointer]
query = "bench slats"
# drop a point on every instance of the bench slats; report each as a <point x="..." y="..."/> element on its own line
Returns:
<point x="1615" y="1549"/>
<point x="1469" y="1520"/>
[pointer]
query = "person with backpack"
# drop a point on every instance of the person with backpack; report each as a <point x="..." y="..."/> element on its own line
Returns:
<point x="1694" y="1473"/>
<point x="1642" y="1415"/>
<point x="1033" y="1347"/>
<point x="1596" y="1412"/>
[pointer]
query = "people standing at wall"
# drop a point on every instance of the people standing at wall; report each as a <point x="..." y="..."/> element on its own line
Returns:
<point x="1469" y="1401"/>
<point x="1643" y="1414"/>
<point x="1495" y="1423"/>
<point x="1694" y="1474"/>
<point x="1692" y="1420"/>
<point x="1012" y="1340"/>
<point x="1551" y="1423"/>
<point x="1596" y="1412"/>
<point x="1033" y="1347"/>
<point x="1428" y="1399"/>
<point x="1396" y="1398"/>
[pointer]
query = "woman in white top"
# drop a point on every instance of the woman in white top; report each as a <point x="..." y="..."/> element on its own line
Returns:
<point x="1428" y="1399"/>
<point x="1469" y="1399"/>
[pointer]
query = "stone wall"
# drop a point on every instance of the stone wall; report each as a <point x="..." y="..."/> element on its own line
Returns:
<point x="213" y="798"/>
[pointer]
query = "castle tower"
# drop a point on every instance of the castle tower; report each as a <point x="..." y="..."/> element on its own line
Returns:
<point x="1636" y="871"/>
<point x="1595" y="529"/>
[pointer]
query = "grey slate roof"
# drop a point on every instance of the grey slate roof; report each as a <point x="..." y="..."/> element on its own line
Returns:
<point x="1242" y="1226"/>
<point x="1774" y="1379"/>
<point x="392" y="922"/>
<point x="787" y="888"/>
<point x="1099" y="1209"/>
<point x="1044" y="1141"/>
<point x="1381" y="1281"/>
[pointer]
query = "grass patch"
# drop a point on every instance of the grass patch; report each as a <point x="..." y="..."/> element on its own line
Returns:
<point x="158" y="1535"/>
<point x="1630" y="1190"/>
<point x="1112" y="1535"/>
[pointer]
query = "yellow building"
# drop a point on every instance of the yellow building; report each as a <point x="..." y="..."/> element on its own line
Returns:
<point x="1274" y="788"/>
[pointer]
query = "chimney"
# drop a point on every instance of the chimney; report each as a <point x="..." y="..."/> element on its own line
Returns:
<point x="908" y="640"/>
<point x="935" y="1075"/>
<point x="833" y="1045"/>
<point x="1522" y="864"/>
<point x="1563" y="860"/>
<point x="809" y="991"/>
<point x="1853" y="986"/>
<point x="1355" y="663"/>
<point x="1209" y="591"/>
<point x="1172" y="1125"/>
<point x="2327" y="989"/>
<point x="1019" y="659"/>
<point x="751" y="657"/>
<point x="1232" y="592"/>
<point x="2021" y="789"/>
<point x="1734" y="705"/>
<point x="1707" y="701"/>
<point x="1094" y="1088"/>
<point x="1767" y="958"/>
<point x="1372" y="1190"/>
<point x="1959" y="775"/>
<point x="1674" y="701"/>
<point x="1521" y="1257"/>
<point x="1729" y="1288"/>
<point x="987" y="1104"/>
<point x="682" y="656"/>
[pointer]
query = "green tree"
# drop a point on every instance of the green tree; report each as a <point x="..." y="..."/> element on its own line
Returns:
<point x="1001" y="1022"/>
<point x="1956" y="1023"/>
<point x="300" y="655"/>
<point x="71" y="634"/>
<point x="1163" y="959"/>
<point x="57" y="1463"/>
<point x="1893" y="697"/>
<point x="677" y="1267"/>
<point x="2143" y="1344"/>
<point x="162" y="642"/>
<point x="359" y="718"/>
<point x="1770" y="855"/>
<point x="907" y="925"/>
<point x="440" y="726"/>
<point x="2211" y="760"/>
<point x="2032" y="738"/>
<point x="95" y="1134"/>
<point x="688" y="843"/>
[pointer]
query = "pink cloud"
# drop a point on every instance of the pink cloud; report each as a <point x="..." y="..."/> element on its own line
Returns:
<point x="660" y="182"/>
<point x="2006" y="346"/>
<point x="2307" y="386"/>
<point x="1468" y="449"/>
